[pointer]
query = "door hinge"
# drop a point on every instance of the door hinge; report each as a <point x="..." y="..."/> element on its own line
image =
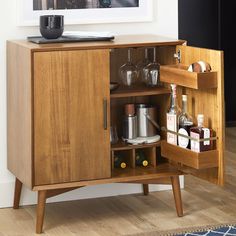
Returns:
<point x="177" y="56"/>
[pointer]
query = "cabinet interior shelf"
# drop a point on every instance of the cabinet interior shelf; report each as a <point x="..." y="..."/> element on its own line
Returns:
<point x="120" y="146"/>
<point x="139" y="173"/>
<point x="138" y="91"/>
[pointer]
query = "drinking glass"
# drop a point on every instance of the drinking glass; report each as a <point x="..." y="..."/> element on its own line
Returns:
<point x="151" y="75"/>
<point x="141" y="66"/>
<point x="128" y="72"/>
<point x="113" y="135"/>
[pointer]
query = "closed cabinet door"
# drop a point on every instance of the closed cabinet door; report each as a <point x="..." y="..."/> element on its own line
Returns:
<point x="71" y="121"/>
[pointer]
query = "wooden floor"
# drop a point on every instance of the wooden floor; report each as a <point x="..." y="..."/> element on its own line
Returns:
<point x="204" y="204"/>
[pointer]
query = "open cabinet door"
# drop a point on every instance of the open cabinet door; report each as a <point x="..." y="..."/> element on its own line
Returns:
<point x="205" y="96"/>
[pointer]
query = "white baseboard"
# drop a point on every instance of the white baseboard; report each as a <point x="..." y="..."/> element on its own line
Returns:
<point x="30" y="198"/>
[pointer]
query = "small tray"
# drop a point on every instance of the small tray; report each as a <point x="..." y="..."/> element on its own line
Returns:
<point x="179" y="74"/>
<point x="69" y="39"/>
<point x="196" y="160"/>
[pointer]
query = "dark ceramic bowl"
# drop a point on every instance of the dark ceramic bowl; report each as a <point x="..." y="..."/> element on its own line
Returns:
<point x="51" y="26"/>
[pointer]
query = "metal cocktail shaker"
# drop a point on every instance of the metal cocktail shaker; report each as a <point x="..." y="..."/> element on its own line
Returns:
<point x="130" y="122"/>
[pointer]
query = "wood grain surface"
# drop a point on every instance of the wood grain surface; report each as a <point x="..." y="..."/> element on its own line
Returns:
<point x="71" y="143"/>
<point x="19" y="113"/>
<point x="209" y="102"/>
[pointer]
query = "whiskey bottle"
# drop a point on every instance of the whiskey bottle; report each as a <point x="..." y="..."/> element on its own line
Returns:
<point x="119" y="162"/>
<point x="185" y="123"/>
<point x="201" y="132"/>
<point x="140" y="159"/>
<point x="172" y="117"/>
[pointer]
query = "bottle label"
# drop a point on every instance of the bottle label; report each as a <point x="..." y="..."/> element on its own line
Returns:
<point x="183" y="142"/>
<point x="195" y="145"/>
<point x="172" y="125"/>
<point x="206" y="133"/>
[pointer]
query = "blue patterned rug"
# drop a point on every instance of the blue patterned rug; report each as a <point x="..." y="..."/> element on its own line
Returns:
<point x="210" y="230"/>
<point x="222" y="231"/>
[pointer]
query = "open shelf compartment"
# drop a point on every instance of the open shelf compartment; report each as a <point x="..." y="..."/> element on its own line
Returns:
<point x="179" y="74"/>
<point x="135" y="91"/>
<point x="196" y="160"/>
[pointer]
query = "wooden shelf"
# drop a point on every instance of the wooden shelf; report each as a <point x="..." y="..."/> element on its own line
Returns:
<point x="179" y="74"/>
<point x="120" y="146"/>
<point x="163" y="170"/>
<point x="138" y="91"/>
<point x="196" y="160"/>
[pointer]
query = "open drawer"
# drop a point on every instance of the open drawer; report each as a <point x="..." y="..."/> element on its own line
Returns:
<point x="202" y="160"/>
<point x="179" y="74"/>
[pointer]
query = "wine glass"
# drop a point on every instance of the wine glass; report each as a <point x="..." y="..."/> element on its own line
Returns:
<point x="128" y="72"/>
<point x="141" y="65"/>
<point x="151" y="72"/>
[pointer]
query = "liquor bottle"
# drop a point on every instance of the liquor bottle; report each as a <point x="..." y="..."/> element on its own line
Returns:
<point x="172" y="117"/>
<point x="185" y="123"/>
<point x="119" y="161"/>
<point x="201" y="132"/>
<point x="140" y="159"/>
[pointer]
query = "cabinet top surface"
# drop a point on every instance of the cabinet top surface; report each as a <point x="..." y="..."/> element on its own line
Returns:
<point x="121" y="41"/>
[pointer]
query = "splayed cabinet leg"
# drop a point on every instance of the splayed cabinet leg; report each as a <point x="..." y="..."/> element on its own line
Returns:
<point x="42" y="195"/>
<point x="17" y="194"/>
<point x="145" y="189"/>
<point x="177" y="195"/>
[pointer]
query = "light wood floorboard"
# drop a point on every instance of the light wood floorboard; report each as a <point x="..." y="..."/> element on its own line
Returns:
<point x="204" y="204"/>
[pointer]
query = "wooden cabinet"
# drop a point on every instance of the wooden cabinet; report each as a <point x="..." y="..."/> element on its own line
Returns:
<point x="60" y="110"/>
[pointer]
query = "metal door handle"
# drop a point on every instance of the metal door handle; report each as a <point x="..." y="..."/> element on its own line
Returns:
<point x="105" y="113"/>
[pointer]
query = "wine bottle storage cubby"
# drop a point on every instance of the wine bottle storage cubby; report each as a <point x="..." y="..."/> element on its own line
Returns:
<point x="129" y="152"/>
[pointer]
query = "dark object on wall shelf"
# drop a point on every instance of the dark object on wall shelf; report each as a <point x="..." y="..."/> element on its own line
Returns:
<point x="208" y="24"/>
<point x="51" y="26"/>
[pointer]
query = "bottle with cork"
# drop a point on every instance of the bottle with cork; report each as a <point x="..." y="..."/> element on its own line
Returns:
<point x="185" y="123"/>
<point x="140" y="159"/>
<point x="200" y="132"/>
<point x="119" y="161"/>
<point x="172" y="117"/>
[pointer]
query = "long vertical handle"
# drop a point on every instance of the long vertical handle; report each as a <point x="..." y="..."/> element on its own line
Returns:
<point x="105" y="113"/>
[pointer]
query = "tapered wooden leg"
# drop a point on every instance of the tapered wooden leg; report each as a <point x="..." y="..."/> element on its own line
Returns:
<point x="145" y="189"/>
<point x="18" y="187"/>
<point x="177" y="195"/>
<point x="40" y="211"/>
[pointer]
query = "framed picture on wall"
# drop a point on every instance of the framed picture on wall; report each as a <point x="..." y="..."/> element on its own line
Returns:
<point x="85" y="11"/>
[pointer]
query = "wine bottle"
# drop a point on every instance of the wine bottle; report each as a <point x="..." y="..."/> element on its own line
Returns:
<point x="200" y="132"/>
<point x="185" y="123"/>
<point x="172" y="117"/>
<point x="140" y="159"/>
<point x="119" y="162"/>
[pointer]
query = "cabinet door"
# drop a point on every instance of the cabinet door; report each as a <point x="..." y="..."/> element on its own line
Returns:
<point x="205" y="96"/>
<point x="71" y="107"/>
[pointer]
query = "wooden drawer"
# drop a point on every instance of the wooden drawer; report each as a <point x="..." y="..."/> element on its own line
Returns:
<point x="202" y="160"/>
<point x="179" y="74"/>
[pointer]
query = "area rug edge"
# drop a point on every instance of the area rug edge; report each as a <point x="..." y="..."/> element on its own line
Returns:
<point x="180" y="231"/>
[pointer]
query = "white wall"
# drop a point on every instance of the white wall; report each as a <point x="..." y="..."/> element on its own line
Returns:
<point x="165" y="23"/>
